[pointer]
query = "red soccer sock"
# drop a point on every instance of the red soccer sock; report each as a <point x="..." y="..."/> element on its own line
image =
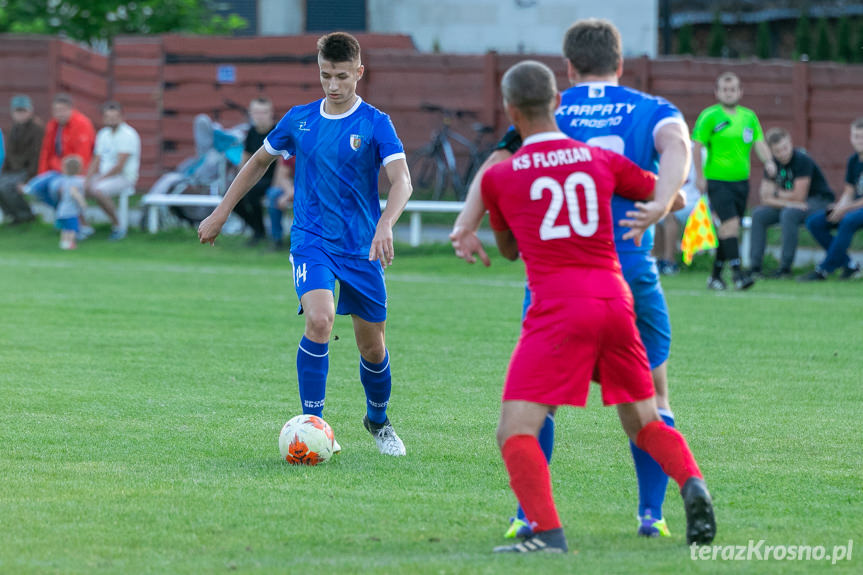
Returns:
<point x="530" y="480"/>
<point x="669" y="449"/>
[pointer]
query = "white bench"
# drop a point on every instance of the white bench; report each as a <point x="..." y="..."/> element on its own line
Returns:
<point x="415" y="207"/>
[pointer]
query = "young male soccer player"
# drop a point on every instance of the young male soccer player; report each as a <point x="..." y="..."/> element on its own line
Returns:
<point x="339" y="232"/>
<point x="651" y="132"/>
<point x="552" y="203"/>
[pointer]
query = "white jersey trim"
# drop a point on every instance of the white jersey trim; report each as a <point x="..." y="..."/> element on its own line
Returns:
<point x="670" y="120"/>
<point x="544" y="137"/>
<point x="394" y="157"/>
<point x="597" y="83"/>
<point x="342" y="115"/>
<point x="274" y="152"/>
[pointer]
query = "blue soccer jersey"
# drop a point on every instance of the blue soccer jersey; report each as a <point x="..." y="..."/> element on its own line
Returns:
<point x="339" y="157"/>
<point x="622" y="120"/>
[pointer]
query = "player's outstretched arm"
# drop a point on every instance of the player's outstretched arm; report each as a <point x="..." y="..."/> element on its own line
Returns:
<point x="400" y="192"/>
<point x="463" y="236"/>
<point x="252" y="171"/>
<point x="672" y="143"/>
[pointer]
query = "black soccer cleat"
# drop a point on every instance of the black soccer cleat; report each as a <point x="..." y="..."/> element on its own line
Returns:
<point x="700" y="522"/>
<point x="551" y="541"/>
<point x="743" y="282"/>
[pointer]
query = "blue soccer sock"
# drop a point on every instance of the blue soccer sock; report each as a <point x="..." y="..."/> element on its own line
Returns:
<point x="378" y="383"/>
<point x="546" y="442"/>
<point x="313" y="363"/>
<point x="652" y="481"/>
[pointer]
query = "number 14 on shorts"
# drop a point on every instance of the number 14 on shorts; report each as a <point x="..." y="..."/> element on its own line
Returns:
<point x="300" y="273"/>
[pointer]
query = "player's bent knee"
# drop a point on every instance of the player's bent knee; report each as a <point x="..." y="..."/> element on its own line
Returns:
<point x="319" y="323"/>
<point x="375" y="352"/>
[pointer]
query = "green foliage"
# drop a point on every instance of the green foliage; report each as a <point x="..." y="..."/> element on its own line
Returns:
<point x="716" y="44"/>
<point x="802" y="37"/>
<point x="763" y="44"/>
<point x="823" y="45"/>
<point x="98" y="21"/>
<point x="857" y="51"/>
<point x="684" y="40"/>
<point x="844" y="48"/>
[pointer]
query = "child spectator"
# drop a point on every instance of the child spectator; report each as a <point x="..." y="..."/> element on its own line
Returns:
<point x="70" y="201"/>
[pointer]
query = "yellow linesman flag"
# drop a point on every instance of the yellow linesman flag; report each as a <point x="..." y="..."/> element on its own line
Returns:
<point x="699" y="233"/>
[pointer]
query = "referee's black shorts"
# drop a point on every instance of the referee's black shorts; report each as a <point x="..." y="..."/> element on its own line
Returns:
<point x="727" y="199"/>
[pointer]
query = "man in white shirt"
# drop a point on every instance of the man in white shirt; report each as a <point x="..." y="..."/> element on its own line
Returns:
<point x="115" y="165"/>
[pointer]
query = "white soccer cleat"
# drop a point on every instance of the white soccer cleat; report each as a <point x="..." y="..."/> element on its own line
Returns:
<point x="336" y="447"/>
<point x="385" y="436"/>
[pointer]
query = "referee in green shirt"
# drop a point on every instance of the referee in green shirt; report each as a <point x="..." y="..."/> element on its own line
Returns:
<point x="728" y="132"/>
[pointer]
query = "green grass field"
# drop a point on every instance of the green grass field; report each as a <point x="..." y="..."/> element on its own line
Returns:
<point x="143" y="385"/>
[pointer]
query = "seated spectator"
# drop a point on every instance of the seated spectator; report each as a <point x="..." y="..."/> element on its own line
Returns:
<point x="250" y="208"/>
<point x="69" y="132"/>
<point x="797" y="191"/>
<point x="115" y="165"/>
<point x="280" y="197"/>
<point x="71" y="205"/>
<point x="846" y="216"/>
<point x="21" y="161"/>
<point x="670" y="229"/>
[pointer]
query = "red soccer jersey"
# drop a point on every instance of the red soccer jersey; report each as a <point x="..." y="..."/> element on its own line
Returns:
<point x="554" y="195"/>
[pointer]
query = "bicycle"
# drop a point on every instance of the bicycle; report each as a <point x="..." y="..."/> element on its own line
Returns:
<point x="433" y="167"/>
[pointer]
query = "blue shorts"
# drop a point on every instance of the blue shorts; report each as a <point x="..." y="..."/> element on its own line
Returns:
<point x="362" y="290"/>
<point x="651" y="311"/>
<point x="67" y="224"/>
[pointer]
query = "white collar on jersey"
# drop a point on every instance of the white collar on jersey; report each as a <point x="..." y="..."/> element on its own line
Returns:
<point x="597" y="83"/>
<point x="544" y="137"/>
<point x="343" y="114"/>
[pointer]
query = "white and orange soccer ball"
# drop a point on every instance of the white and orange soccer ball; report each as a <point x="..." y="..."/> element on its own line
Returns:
<point x="306" y="440"/>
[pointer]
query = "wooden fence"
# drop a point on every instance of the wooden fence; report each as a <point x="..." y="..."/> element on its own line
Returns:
<point x="163" y="82"/>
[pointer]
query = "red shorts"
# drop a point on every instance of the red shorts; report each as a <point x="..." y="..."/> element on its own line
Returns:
<point x="565" y="343"/>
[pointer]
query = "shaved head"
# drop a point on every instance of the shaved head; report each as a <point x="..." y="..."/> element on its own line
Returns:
<point x="530" y="87"/>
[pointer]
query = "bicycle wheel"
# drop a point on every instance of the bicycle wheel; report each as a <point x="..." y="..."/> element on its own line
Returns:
<point x="427" y="173"/>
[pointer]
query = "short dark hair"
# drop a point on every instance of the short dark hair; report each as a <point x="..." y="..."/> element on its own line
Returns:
<point x="858" y="123"/>
<point x="63" y="98"/>
<point x="72" y="165"/>
<point x="530" y="86"/>
<point x="593" y="47"/>
<point x="727" y="77"/>
<point x="339" y="47"/>
<point x="261" y="100"/>
<point x="112" y="105"/>
<point x="776" y="135"/>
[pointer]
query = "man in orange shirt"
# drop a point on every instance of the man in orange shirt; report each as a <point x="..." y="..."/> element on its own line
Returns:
<point x="68" y="133"/>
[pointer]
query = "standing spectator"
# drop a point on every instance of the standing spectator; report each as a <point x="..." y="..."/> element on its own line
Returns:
<point x="728" y="131"/>
<point x="115" y="165"/>
<point x="70" y="201"/>
<point x="798" y="190"/>
<point x="22" y="159"/>
<point x="846" y="215"/>
<point x="69" y="132"/>
<point x="250" y="208"/>
<point x="280" y="197"/>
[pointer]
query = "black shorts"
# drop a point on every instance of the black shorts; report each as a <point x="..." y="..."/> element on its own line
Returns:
<point x="728" y="199"/>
